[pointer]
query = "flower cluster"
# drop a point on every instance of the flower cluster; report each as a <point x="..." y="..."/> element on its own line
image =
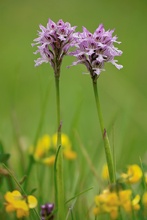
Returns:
<point x="45" y="150"/>
<point x="53" y="43"/>
<point x="46" y="211"/>
<point x="94" y="50"/>
<point x="111" y="201"/>
<point x="121" y="196"/>
<point x="15" y="201"/>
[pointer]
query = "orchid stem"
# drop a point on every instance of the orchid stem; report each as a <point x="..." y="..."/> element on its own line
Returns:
<point x="59" y="183"/>
<point x="107" y="148"/>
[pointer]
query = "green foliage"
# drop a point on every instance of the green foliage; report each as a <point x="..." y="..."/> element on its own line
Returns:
<point x="3" y="156"/>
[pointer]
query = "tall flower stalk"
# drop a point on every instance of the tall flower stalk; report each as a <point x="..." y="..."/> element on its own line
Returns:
<point x="53" y="43"/>
<point x="94" y="50"/>
<point x="104" y="135"/>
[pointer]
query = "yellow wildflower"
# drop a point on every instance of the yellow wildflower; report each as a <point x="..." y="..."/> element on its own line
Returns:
<point x="49" y="160"/>
<point x="124" y="196"/>
<point x="96" y="211"/>
<point x="69" y="154"/>
<point x="111" y="202"/>
<point x="107" y="202"/>
<point x="32" y="201"/>
<point x="105" y="172"/>
<point x="126" y="202"/>
<point x="16" y="202"/>
<point x="133" y="175"/>
<point x="67" y="147"/>
<point x="135" y="203"/>
<point x="64" y="140"/>
<point x="145" y="177"/>
<point x="43" y="145"/>
<point x="144" y="199"/>
<point x="45" y="150"/>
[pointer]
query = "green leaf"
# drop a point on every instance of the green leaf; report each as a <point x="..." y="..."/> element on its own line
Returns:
<point x="4" y="157"/>
<point x="1" y="148"/>
<point x="32" y="191"/>
<point x="79" y="194"/>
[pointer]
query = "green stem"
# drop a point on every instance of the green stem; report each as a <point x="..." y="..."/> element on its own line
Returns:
<point x="59" y="184"/>
<point x="104" y="135"/>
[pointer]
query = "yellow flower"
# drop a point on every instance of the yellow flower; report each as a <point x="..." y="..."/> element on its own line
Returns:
<point x="16" y="202"/>
<point x="111" y="202"/>
<point x="133" y="175"/>
<point x="42" y="147"/>
<point x="32" y="201"/>
<point x="145" y="177"/>
<point x="144" y="199"/>
<point x="49" y="160"/>
<point x="124" y="195"/>
<point x="96" y="211"/>
<point x="64" y="140"/>
<point x="45" y="150"/>
<point x="67" y="147"/>
<point x="127" y="202"/>
<point x="135" y="202"/>
<point x="105" y="172"/>
<point x="107" y="202"/>
<point x="69" y="154"/>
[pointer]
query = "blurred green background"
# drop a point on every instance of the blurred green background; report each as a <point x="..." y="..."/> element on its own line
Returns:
<point x="123" y="93"/>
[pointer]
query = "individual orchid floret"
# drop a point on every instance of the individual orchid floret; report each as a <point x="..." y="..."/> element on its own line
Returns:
<point x="53" y="43"/>
<point x="94" y="50"/>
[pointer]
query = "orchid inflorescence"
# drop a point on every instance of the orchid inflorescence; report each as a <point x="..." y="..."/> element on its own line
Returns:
<point x="92" y="50"/>
<point x="54" y="42"/>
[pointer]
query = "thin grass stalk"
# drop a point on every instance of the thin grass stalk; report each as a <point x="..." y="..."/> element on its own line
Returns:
<point x="107" y="148"/>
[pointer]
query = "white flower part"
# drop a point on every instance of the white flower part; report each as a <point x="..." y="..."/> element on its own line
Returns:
<point x="118" y="66"/>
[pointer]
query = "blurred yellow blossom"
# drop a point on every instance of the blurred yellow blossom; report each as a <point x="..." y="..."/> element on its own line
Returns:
<point x="49" y="160"/>
<point x="32" y="201"/>
<point x="45" y="150"/>
<point x="135" y="203"/>
<point x="64" y="140"/>
<point x="126" y="201"/>
<point x="111" y="201"/>
<point x="21" y="204"/>
<point x="144" y="199"/>
<point x="43" y="146"/>
<point x="105" y="172"/>
<point x="145" y="177"/>
<point x="107" y="202"/>
<point x="69" y="154"/>
<point x="133" y="175"/>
